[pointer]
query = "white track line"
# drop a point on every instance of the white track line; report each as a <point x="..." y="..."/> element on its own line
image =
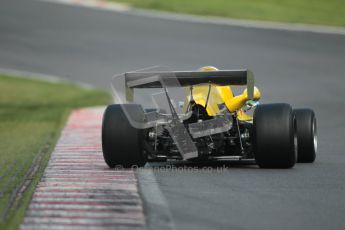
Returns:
<point x="156" y="206"/>
<point x="42" y="77"/>
<point x="96" y="4"/>
<point x="126" y="9"/>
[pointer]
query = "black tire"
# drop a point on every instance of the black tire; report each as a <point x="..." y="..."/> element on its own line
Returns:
<point x="121" y="142"/>
<point x="306" y="135"/>
<point x="274" y="136"/>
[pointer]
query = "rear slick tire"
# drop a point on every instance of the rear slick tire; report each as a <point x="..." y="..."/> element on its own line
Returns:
<point x="121" y="142"/>
<point x="274" y="137"/>
<point x="306" y="135"/>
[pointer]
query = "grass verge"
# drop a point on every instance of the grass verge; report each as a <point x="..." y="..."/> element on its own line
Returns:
<point x="32" y="114"/>
<point x="321" y="12"/>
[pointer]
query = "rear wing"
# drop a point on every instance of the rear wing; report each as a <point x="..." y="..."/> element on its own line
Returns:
<point x="189" y="78"/>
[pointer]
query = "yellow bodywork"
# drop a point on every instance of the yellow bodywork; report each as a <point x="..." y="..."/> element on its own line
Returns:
<point x="219" y="95"/>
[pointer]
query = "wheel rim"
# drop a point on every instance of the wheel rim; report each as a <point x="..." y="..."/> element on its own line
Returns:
<point x="295" y="141"/>
<point x="314" y="136"/>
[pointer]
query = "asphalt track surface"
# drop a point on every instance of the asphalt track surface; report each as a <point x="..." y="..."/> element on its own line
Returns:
<point x="301" y="68"/>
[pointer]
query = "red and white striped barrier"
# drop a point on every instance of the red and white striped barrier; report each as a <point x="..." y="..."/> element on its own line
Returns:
<point x="78" y="190"/>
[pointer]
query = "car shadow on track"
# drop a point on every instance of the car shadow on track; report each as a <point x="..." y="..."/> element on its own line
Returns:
<point x="216" y="165"/>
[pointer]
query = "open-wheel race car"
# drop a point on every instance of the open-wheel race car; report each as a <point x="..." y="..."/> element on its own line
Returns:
<point x="195" y="116"/>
